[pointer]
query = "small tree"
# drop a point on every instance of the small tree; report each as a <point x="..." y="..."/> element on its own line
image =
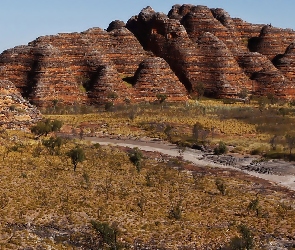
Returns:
<point x="175" y="212"/>
<point x="245" y="241"/>
<point x="262" y="102"/>
<point x="221" y="186"/>
<point x="135" y="156"/>
<point x="77" y="155"/>
<point x="199" y="133"/>
<point x="290" y="139"/>
<point x="109" y="233"/>
<point x="108" y="106"/>
<point x="274" y="142"/>
<point x="254" y="206"/>
<point x="243" y="93"/>
<point x="168" y="131"/>
<point x="200" y="89"/>
<point x="54" y="103"/>
<point x="56" y="125"/>
<point x="161" y="97"/>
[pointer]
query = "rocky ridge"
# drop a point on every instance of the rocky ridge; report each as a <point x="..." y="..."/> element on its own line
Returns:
<point x="154" y="53"/>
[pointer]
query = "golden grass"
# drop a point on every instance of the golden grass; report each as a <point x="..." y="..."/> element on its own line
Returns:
<point x="41" y="191"/>
<point x="233" y="123"/>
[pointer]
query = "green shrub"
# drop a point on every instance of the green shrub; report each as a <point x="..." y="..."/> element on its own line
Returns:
<point x="244" y="242"/>
<point x="161" y="97"/>
<point x="220" y="185"/>
<point x="53" y="144"/>
<point x="220" y="149"/>
<point x="46" y="126"/>
<point x="108" y="106"/>
<point x="135" y="156"/>
<point x="109" y="234"/>
<point x="175" y="212"/>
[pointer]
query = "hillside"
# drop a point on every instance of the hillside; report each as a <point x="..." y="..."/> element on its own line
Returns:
<point x="155" y="54"/>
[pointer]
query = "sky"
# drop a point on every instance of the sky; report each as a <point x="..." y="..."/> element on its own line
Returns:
<point x="21" y="21"/>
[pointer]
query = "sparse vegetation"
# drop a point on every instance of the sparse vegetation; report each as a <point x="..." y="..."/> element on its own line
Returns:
<point x="46" y="126"/>
<point x="159" y="201"/>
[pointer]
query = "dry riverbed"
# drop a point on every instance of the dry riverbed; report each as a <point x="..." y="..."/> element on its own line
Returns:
<point x="276" y="171"/>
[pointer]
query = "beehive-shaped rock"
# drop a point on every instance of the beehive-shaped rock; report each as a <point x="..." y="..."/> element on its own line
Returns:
<point x="168" y="39"/>
<point x="286" y="62"/>
<point x="200" y="19"/>
<point x="15" y="111"/>
<point x="246" y="30"/>
<point x="272" y="41"/>
<point x="16" y="63"/>
<point x="266" y="77"/>
<point x="104" y="83"/>
<point x="199" y="44"/>
<point x="218" y="68"/>
<point x="57" y="68"/>
<point x="155" y="77"/>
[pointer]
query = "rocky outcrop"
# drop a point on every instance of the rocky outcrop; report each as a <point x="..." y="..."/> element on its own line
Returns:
<point x="15" y="111"/>
<point x="197" y="45"/>
<point x="153" y="78"/>
<point x="15" y="65"/>
<point x="266" y="78"/>
<point x="201" y="19"/>
<point x="219" y="68"/>
<point x="272" y="41"/>
<point x="104" y="83"/>
<point x="219" y="56"/>
<point x="61" y="67"/>
<point x="194" y="58"/>
<point x="286" y="62"/>
<point x="246" y="30"/>
<point x="114" y="25"/>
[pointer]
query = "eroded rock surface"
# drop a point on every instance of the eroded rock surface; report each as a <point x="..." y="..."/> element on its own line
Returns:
<point x="153" y="78"/>
<point x="15" y="111"/>
<point x="197" y="45"/>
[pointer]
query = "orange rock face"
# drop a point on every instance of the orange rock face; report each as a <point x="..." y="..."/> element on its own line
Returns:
<point x="154" y="77"/>
<point x="272" y="41"/>
<point x="155" y="54"/>
<point x="74" y="68"/>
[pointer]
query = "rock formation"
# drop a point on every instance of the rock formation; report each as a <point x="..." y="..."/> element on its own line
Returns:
<point x="15" y="111"/>
<point x="286" y="62"/>
<point x="272" y="41"/>
<point x="219" y="68"/>
<point x="154" y="77"/>
<point x="152" y="53"/>
<point x="220" y="54"/>
<point x="266" y="78"/>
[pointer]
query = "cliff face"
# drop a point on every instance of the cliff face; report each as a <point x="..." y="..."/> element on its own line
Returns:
<point x="155" y="54"/>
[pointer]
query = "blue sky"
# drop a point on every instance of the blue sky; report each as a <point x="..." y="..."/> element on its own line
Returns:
<point x="21" y="21"/>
